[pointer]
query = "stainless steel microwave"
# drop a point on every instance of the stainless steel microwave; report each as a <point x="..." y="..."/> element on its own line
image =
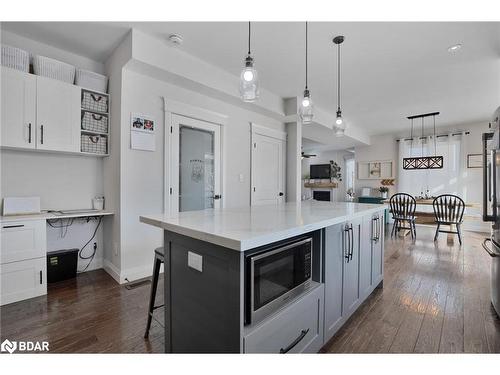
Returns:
<point x="275" y="276"/>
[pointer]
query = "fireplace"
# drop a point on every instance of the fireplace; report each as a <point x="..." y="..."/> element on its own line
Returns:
<point x="322" y="195"/>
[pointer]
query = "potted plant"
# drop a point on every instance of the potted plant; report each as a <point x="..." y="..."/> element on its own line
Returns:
<point x="384" y="190"/>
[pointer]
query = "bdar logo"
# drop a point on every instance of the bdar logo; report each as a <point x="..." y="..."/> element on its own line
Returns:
<point x="8" y="346"/>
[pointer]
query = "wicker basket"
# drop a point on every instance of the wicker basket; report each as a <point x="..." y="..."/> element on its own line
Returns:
<point x="94" y="144"/>
<point x="94" y="122"/>
<point x="91" y="80"/>
<point x="15" y="58"/>
<point x="51" y="68"/>
<point x="92" y="101"/>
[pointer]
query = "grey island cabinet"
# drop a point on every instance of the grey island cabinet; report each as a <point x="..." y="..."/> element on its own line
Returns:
<point x="267" y="279"/>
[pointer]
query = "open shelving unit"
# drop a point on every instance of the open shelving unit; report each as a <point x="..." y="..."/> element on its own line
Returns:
<point x="94" y="132"/>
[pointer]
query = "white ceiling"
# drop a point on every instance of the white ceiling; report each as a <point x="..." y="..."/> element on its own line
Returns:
<point x="390" y="70"/>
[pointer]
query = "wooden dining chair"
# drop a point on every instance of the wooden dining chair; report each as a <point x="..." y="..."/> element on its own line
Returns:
<point x="448" y="210"/>
<point x="403" y="210"/>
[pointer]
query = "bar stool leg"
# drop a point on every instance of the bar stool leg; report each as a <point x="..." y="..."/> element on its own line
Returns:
<point x="154" y="286"/>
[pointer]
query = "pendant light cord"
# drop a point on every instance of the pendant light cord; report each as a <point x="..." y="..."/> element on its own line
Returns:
<point x="411" y="138"/>
<point x="306" y="55"/>
<point x="338" y="78"/>
<point x="434" y="119"/>
<point x="422" y="138"/>
<point x="249" y="38"/>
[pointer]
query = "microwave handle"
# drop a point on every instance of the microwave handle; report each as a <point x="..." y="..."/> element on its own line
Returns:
<point x="489" y="178"/>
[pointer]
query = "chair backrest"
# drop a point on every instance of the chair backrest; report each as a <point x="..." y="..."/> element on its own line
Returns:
<point x="448" y="208"/>
<point x="403" y="205"/>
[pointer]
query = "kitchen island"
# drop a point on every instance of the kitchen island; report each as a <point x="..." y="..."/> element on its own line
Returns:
<point x="209" y="273"/>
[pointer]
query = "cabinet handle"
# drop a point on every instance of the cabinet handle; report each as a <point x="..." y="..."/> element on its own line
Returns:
<point x="13" y="226"/>
<point x="41" y="281"/>
<point x="303" y="334"/>
<point x="29" y="132"/>
<point x="351" y="242"/>
<point x="41" y="134"/>
<point x="346" y="243"/>
<point x="376" y="228"/>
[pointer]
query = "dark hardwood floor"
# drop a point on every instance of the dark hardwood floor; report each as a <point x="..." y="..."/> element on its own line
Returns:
<point x="435" y="299"/>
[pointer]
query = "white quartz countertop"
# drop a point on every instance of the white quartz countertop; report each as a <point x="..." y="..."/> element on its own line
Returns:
<point x="245" y="228"/>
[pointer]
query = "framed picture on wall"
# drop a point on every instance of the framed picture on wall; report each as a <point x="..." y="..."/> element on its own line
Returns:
<point x="474" y="161"/>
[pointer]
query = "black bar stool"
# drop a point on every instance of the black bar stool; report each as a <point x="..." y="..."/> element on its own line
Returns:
<point x="159" y="259"/>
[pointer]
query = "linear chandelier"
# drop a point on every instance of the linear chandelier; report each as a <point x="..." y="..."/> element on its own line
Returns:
<point x="423" y="162"/>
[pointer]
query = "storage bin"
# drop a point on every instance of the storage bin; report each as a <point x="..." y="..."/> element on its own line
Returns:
<point x="51" y="68"/>
<point x="94" y="102"/>
<point x="94" y="122"/>
<point x="15" y="58"/>
<point x="91" y="80"/>
<point x="94" y="144"/>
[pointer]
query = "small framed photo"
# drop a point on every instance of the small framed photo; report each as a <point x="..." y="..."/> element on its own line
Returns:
<point x="474" y="161"/>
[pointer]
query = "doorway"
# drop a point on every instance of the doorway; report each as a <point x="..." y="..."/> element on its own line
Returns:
<point x="195" y="165"/>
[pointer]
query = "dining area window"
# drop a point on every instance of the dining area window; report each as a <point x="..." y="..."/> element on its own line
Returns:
<point x="433" y="182"/>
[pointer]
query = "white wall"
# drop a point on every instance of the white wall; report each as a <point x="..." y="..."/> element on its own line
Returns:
<point x="142" y="189"/>
<point x="61" y="181"/>
<point x="324" y="157"/>
<point x="383" y="147"/>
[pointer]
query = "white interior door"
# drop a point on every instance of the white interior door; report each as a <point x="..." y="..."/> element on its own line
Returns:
<point x="268" y="166"/>
<point x="195" y="165"/>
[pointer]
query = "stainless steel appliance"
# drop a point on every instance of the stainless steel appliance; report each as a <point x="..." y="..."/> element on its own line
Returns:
<point x="275" y="276"/>
<point x="491" y="200"/>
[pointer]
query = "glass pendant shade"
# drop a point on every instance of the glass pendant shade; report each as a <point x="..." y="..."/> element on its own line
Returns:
<point x="340" y="125"/>
<point x="306" y="108"/>
<point x="249" y="81"/>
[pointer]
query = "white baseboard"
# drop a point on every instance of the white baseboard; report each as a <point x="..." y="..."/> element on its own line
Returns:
<point x="136" y="273"/>
<point x="112" y="270"/>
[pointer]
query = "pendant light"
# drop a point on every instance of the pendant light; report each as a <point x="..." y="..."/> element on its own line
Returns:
<point x="249" y="80"/>
<point x="423" y="162"/>
<point x="340" y="125"/>
<point x="306" y="105"/>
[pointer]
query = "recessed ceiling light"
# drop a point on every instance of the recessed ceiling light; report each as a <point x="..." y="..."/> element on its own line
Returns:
<point x="175" y="39"/>
<point x="454" y="48"/>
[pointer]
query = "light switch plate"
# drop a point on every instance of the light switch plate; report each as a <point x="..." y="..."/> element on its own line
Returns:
<point x="195" y="261"/>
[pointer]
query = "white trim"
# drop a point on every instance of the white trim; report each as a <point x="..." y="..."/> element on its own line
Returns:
<point x="171" y="108"/>
<point x="197" y="113"/>
<point x="111" y="269"/>
<point x="268" y="132"/>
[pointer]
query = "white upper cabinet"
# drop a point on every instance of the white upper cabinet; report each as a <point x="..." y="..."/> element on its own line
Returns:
<point x="18" y="108"/>
<point x="58" y="115"/>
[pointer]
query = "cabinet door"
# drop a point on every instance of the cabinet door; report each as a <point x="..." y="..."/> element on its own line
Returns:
<point x="334" y="259"/>
<point x="378" y="249"/>
<point x="18" y="105"/>
<point x="351" y="296"/>
<point x="22" y="280"/>
<point x="365" y="255"/>
<point x="21" y="240"/>
<point x="58" y="115"/>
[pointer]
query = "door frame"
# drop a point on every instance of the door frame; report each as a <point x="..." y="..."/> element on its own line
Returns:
<point x="272" y="133"/>
<point x="171" y="109"/>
